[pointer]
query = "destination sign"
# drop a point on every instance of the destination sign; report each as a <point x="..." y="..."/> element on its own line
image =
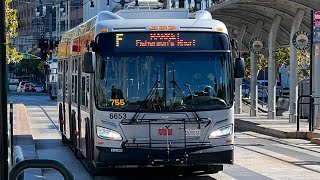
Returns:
<point x="156" y="40"/>
<point x="163" y="41"/>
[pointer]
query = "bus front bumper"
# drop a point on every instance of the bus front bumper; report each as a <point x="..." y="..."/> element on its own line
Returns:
<point x="113" y="157"/>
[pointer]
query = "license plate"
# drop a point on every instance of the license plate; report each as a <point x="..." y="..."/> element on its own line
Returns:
<point x="165" y="132"/>
<point x="192" y="132"/>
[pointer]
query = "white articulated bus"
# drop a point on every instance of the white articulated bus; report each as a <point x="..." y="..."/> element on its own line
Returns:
<point x="148" y="88"/>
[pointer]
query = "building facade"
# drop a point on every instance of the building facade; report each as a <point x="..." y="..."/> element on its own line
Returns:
<point x="25" y="13"/>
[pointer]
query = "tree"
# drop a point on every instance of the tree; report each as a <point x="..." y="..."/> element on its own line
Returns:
<point x="282" y="56"/>
<point x="11" y="32"/>
<point x="262" y="62"/>
<point x="303" y="58"/>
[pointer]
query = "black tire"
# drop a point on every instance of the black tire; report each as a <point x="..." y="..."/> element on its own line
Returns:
<point x="63" y="137"/>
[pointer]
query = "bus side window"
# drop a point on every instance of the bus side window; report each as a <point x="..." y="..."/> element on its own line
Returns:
<point x="76" y="81"/>
<point x="72" y="88"/>
<point x="66" y="78"/>
<point x="83" y="91"/>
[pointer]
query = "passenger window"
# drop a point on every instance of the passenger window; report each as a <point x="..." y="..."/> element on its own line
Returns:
<point x="76" y="89"/>
<point x="83" y="91"/>
<point x="72" y="89"/>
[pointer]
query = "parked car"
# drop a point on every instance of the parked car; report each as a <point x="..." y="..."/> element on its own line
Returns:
<point x="29" y="87"/>
<point x="39" y="88"/>
<point x="21" y="86"/>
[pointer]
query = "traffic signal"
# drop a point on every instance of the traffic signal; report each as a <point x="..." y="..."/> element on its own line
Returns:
<point x="43" y="55"/>
<point x="43" y="44"/>
<point x="51" y="47"/>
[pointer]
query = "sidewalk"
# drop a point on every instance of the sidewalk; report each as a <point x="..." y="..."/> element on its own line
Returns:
<point x="22" y="137"/>
<point x="279" y="127"/>
<point x="39" y="138"/>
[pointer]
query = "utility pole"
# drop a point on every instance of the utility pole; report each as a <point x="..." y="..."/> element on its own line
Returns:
<point x="50" y="31"/>
<point x="3" y="97"/>
<point x="50" y="44"/>
<point x="77" y="4"/>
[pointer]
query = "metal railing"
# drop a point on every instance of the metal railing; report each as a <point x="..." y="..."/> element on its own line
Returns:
<point x="311" y="111"/>
<point x="40" y="163"/>
<point x="262" y="90"/>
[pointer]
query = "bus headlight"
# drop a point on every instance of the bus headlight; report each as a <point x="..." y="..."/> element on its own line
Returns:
<point x="108" y="134"/>
<point x="223" y="131"/>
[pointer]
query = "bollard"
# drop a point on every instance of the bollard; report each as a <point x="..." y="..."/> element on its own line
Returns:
<point x="17" y="158"/>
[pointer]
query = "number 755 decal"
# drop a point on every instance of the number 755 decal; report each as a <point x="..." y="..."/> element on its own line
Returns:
<point x="117" y="102"/>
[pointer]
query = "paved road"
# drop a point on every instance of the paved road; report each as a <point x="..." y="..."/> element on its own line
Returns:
<point x="256" y="156"/>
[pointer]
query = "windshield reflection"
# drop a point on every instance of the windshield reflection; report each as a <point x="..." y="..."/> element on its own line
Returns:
<point x="164" y="83"/>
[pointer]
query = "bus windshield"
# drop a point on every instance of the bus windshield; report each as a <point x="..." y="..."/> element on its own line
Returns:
<point x="164" y="82"/>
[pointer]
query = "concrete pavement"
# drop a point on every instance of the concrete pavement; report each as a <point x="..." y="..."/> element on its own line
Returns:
<point x="35" y="130"/>
<point x="279" y="127"/>
<point x="22" y="136"/>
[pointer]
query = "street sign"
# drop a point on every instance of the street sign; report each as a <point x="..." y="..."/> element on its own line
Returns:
<point x="30" y="56"/>
<point x="257" y="45"/>
<point x="316" y="28"/>
<point x="301" y="40"/>
<point x="317" y="16"/>
<point x="26" y="56"/>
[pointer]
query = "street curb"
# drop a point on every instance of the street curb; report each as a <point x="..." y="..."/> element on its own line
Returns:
<point x="250" y="126"/>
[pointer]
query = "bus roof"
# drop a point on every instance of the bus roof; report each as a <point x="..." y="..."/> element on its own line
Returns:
<point x="142" y="20"/>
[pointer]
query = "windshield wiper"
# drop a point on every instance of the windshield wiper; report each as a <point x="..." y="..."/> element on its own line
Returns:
<point x="154" y="90"/>
<point x="180" y="92"/>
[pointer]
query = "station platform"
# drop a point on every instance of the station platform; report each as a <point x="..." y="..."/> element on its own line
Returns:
<point x="279" y="127"/>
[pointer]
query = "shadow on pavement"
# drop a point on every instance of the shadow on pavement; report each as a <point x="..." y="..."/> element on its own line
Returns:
<point x="154" y="174"/>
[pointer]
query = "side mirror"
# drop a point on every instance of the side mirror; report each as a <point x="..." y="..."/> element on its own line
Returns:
<point x="239" y="68"/>
<point x="88" y="62"/>
<point x="94" y="46"/>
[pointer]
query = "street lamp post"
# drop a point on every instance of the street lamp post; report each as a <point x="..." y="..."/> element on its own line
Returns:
<point x="3" y="97"/>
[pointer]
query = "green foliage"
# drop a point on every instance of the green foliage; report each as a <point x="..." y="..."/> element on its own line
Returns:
<point x="262" y="63"/>
<point x="303" y="59"/>
<point x="282" y="56"/>
<point x="11" y="32"/>
<point x="41" y="67"/>
<point x="193" y="9"/>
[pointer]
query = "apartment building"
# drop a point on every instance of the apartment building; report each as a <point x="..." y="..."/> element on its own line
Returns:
<point x="25" y="13"/>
